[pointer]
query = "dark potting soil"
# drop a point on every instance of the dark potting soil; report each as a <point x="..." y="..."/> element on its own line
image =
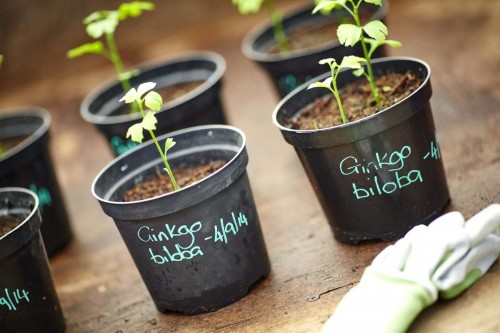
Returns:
<point x="160" y="185"/>
<point x="167" y="93"/>
<point x="9" y="222"/>
<point x="357" y="100"/>
<point x="177" y="90"/>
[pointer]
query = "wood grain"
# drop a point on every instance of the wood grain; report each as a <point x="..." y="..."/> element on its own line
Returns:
<point x="98" y="285"/>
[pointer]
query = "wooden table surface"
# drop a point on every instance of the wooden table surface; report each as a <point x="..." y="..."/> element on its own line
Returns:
<point x="98" y="285"/>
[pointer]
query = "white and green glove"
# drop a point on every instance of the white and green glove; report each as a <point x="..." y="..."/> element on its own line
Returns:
<point x="442" y="259"/>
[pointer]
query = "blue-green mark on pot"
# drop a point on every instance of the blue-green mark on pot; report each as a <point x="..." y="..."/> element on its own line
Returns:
<point x="119" y="146"/>
<point x="11" y="299"/>
<point x="44" y="197"/>
<point x="289" y="82"/>
<point x="435" y="151"/>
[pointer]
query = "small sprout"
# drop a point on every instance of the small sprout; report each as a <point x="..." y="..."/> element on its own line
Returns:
<point x="144" y="96"/>
<point x="1" y="60"/>
<point x="253" y="6"/>
<point x="330" y="82"/>
<point x="386" y="89"/>
<point x="315" y="124"/>
<point x="103" y="24"/>
<point x="371" y="35"/>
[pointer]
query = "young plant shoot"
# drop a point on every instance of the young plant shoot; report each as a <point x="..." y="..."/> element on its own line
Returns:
<point x="371" y="35"/>
<point x="253" y="6"/>
<point x="153" y="101"/>
<point x="330" y="83"/>
<point x="102" y="25"/>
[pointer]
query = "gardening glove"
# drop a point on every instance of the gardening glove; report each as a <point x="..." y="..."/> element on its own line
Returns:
<point x="444" y="258"/>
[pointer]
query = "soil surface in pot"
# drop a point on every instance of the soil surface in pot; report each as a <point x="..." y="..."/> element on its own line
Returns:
<point x="167" y="93"/>
<point x="9" y="222"/>
<point x="312" y="35"/>
<point x="9" y="143"/>
<point x="183" y="175"/>
<point x="357" y="100"/>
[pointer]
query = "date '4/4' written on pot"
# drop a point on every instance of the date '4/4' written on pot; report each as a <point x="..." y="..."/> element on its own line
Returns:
<point x="11" y="299"/>
<point x="179" y="242"/>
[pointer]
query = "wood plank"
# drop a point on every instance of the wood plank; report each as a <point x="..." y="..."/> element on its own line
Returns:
<point x="99" y="287"/>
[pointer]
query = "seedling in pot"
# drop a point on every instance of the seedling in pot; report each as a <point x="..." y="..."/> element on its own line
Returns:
<point x="102" y="25"/>
<point x="330" y="83"/>
<point x="349" y="35"/>
<point x="153" y="101"/>
<point x="254" y="6"/>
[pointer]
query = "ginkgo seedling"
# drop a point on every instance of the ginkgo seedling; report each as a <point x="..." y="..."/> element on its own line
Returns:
<point x="254" y="6"/>
<point x="371" y="35"/>
<point x="330" y="82"/>
<point x="101" y="25"/>
<point x="144" y="96"/>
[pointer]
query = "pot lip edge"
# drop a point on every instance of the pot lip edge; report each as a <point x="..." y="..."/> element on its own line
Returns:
<point x="353" y="123"/>
<point x="263" y="26"/>
<point x="241" y="149"/>
<point x="215" y="76"/>
<point x="31" y="111"/>
<point x="33" y="212"/>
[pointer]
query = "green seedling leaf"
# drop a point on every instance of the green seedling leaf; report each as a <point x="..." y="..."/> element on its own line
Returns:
<point x="349" y="34"/>
<point x="128" y="74"/>
<point x="130" y="96"/>
<point x="153" y="101"/>
<point x="392" y="43"/>
<point x="326" y="6"/>
<point x="351" y="62"/>
<point x="358" y="72"/>
<point x="106" y="24"/>
<point x="169" y="143"/>
<point x="95" y="16"/>
<point x="372" y="34"/>
<point x="135" y="133"/>
<point x="248" y="6"/>
<point x="376" y="30"/>
<point x="88" y="48"/>
<point x="144" y="88"/>
<point x="134" y="9"/>
<point x="1" y="59"/>
<point x="375" y="2"/>
<point x="149" y="121"/>
<point x="327" y="83"/>
<point x="328" y="61"/>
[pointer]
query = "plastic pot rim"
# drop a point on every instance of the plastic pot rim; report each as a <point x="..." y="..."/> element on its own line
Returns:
<point x="208" y="56"/>
<point x="27" y="111"/>
<point x="23" y="227"/>
<point x="182" y="190"/>
<point x="247" y="45"/>
<point x="300" y="89"/>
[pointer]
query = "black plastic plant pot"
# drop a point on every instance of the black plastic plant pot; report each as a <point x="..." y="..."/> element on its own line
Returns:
<point x="200" y="106"/>
<point x="288" y="71"/>
<point x="379" y="176"/>
<point x="26" y="162"/>
<point x="28" y="299"/>
<point x="200" y="248"/>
